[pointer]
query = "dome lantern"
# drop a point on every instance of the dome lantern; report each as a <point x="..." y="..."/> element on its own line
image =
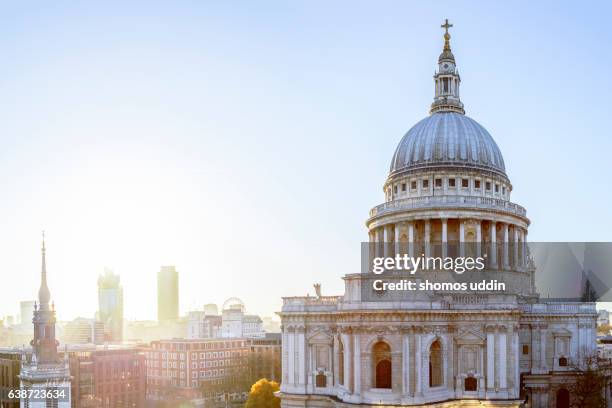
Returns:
<point x="447" y="80"/>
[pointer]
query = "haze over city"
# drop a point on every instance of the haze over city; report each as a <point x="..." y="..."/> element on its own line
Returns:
<point x="220" y="140"/>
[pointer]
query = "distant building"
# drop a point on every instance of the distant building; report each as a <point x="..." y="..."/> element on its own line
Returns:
<point x="212" y="326"/>
<point x="236" y="323"/>
<point x="603" y="317"/>
<point x="203" y="326"/>
<point x="110" y="305"/>
<point x="141" y="330"/>
<point x="6" y="335"/>
<point x="26" y="308"/>
<point x="18" y="331"/>
<point x="83" y="331"/>
<point x="270" y="325"/>
<point x="252" y="326"/>
<point x="179" y="368"/>
<point x="194" y="324"/>
<point x="604" y="347"/>
<point x="167" y="294"/>
<point x="211" y="309"/>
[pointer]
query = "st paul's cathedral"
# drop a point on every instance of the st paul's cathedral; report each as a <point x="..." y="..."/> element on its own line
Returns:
<point x="447" y="188"/>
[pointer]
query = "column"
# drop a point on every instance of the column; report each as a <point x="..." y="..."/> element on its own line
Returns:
<point x="386" y="239"/>
<point x="493" y="254"/>
<point x="301" y="355"/>
<point x="369" y="256"/>
<point x="418" y="366"/>
<point x="449" y="363"/>
<point x="543" y="365"/>
<point x="516" y="368"/>
<point x="506" y="260"/>
<point x="515" y="247"/>
<point x="285" y="348"/>
<point x="290" y="357"/>
<point x="411" y="238"/>
<point x="427" y="237"/>
<point x="524" y="234"/>
<point x="503" y="353"/>
<point x="444" y="237"/>
<point x="346" y="342"/>
<point x="335" y="362"/>
<point x="397" y="239"/>
<point x="490" y="359"/>
<point x="478" y="238"/>
<point x="376" y="234"/>
<point x="535" y="337"/>
<point x="356" y="364"/>
<point x="405" y="364"/>
<point x="461" y="237"/>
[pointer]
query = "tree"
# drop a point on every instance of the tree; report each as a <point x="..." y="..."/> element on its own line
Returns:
<point x="240" y="377"/>
<point x="588" y="386"/>
<point x="262" y="395"/>
<point x="604" y="329"/>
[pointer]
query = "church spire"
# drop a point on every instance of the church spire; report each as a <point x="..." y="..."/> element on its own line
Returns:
<point x="43" y="293"/>
<point x="447" y="79"/>
<point x="44" y="344"/>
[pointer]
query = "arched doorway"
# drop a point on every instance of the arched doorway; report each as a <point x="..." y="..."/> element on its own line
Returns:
<point x="563" y="398"/>
<point x="381" y="353"/>
<point x="436" y="376"/>
<point x="470" y="384"/>
<point x="321" y="380"/>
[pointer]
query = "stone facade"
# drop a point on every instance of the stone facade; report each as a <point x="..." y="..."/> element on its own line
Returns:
<point x="447" y="191"/>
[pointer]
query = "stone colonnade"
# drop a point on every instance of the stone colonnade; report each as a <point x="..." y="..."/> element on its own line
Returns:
<point x="503" y="243"/>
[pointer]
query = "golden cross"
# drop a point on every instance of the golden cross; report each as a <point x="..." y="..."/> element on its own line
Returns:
<point x="446" y="26"/>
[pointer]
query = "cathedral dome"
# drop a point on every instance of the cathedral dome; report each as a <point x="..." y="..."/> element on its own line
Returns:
<point x="447" y="140"/>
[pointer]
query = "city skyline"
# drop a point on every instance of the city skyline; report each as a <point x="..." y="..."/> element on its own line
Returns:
<point x="213" y="138"/>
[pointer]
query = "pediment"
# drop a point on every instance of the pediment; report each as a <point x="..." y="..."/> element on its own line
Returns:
<point x="562" y="333"/>
<point x="470" y="337"/>
<point x="320" y="337"/>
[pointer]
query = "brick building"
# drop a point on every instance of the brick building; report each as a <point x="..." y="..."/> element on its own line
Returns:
<point x="113" y="376"/>
<point x="182" y="368"/>
<point x="10" y="365"/>
<point x="265" y="357"/>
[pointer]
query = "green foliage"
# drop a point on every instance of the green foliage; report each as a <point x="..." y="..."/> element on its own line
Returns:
<point x="262" y="395"/>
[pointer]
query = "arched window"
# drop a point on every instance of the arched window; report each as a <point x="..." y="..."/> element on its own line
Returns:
<point x="381" y="353"/>
<point x="563" y="398"/>
<point x="435" y="364"/>
<point x="340" y="362"/>
<point x="563" y="362"/>
<point x="470" y="384"/>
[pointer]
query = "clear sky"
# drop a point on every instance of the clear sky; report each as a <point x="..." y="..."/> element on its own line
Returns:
<point x="245" y="142"/>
